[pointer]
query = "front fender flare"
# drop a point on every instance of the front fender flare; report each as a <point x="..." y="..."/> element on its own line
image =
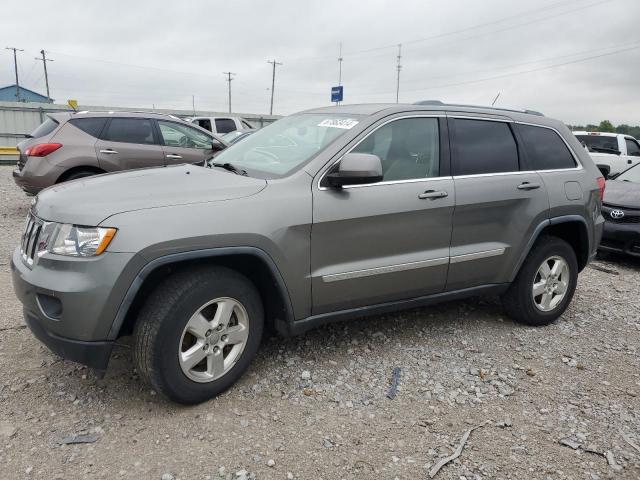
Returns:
<point x="138" y="281"/>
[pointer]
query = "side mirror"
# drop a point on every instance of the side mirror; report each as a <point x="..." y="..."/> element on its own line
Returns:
<point x="356" y="169"/>
<point x="217" y="146"/>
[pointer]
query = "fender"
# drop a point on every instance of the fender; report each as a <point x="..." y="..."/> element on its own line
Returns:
<point x="192" y="255"/>
<point x="538" y="230"/>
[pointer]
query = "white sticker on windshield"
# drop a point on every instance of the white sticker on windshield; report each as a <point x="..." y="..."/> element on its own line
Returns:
<point x="345" y="123"/>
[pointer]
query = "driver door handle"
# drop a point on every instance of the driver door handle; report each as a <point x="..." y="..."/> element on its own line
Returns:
<point x="433" y="194"/>
<point x="108" y="151"/>
<point x="173" y="155"/>
<point x="528" y="186"/>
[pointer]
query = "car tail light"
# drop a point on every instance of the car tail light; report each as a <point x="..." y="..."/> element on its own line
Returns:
<point x="601" y="186"/>
<point x="42" y="149"/>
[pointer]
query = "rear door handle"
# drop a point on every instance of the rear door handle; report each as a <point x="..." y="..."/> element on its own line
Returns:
<point x="173" y="155"/>
<point x="528" y="186"/>
<point x="433" y="194"/>
<point x="108" y="151"/>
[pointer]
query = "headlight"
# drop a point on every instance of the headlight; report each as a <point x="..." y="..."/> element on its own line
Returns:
<point x="66" y="239"/>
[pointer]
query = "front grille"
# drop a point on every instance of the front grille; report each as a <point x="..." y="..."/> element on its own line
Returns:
<point x="29" y="243"/>
<point x="628" y="215"/>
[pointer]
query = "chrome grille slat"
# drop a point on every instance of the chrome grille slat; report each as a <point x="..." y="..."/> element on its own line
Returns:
<point x="30" y="239"/>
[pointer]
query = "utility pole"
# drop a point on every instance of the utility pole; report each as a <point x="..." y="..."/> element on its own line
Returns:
<point x="273" y="81"/>
<point x="228" y="74"/>
<point x="15" y="66"/>
<point x="398" y="67"/>
<point x="340" y="66"/>
<point x="44" y="61"/>
<point x="193" y="104"/>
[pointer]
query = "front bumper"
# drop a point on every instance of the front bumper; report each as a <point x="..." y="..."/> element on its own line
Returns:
<point x="92" y="354"/>
<point x="621" y="238"/>
<point x="70" y="303"/>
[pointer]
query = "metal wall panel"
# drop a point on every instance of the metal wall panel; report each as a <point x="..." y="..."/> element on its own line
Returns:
<point x="18" y="119"/>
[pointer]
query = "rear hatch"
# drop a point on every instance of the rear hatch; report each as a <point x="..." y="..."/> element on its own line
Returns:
<point x="45" y="129"/>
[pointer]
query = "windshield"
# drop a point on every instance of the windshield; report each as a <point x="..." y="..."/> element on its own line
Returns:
<point x="630" y="175"/>
<point x="287" y="144"/>
<point x="600" y="142"/>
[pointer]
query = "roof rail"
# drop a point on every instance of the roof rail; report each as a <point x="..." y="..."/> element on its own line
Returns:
<point x="128" y="111"/>
<point x="442" y="104"/>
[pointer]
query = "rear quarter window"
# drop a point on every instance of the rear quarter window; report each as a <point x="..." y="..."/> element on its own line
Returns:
<point x="45" y="128"/>
<point x="545" y="149"/>
<point x="93" y="126"/>
<point x="483" y="146"/>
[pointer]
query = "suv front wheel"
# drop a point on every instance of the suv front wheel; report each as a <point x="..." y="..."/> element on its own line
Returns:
<point x="544" y="285"/>
<point x="197" y="333"/>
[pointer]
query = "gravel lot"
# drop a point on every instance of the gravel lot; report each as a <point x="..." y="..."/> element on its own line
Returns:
<point x="560" y="402"/>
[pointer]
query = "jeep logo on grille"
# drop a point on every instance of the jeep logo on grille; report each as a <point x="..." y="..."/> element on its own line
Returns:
<point x="616" y="214"/>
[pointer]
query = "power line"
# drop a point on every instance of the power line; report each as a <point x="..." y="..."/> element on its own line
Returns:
<point x="273" y="82"/>
<point x="44" y="61"/>
<point x="228" y="74"/>
<point x="473" y="27"/>
<point x="15" y="66"/>
<point x="523" y="72"/>
<point x="512" y="65"/>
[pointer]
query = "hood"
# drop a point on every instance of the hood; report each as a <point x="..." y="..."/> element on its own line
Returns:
<point x="88" y="201"/>
<point x="622" y="194"/>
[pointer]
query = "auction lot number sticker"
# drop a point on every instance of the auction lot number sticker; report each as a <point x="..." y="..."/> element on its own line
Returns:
<point x="345" y="123"/>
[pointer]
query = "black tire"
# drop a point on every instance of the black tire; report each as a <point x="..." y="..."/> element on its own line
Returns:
<point x="164" y="316"/>
<point x="518" y="300"/>
<point x="78" y="174"/>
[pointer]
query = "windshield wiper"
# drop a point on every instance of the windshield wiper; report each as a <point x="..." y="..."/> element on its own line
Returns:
<point x="230" y="168"/>
<point x="605" y="150"/>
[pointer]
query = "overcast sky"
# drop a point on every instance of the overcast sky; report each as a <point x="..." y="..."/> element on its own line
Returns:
<point x="536" y="54"/>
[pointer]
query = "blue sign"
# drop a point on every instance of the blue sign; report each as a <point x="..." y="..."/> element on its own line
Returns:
<point x="336" y="94"/>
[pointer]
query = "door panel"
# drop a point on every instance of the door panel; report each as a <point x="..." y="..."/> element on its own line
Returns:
<point x="498" y="206"/>
<point x="127" y="143"/>
<point x="113" y="156"/>
<point x="379" y="243"/>
<point x="492" y="224"/>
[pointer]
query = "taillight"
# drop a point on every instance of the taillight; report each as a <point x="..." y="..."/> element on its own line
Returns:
<point x="601" y="185"/>
<point x="42" y="149"/>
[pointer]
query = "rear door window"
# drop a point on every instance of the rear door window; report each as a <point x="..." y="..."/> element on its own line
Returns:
<point x="484" y="146"/>
<point x="45" y="128"/>
<point x="545" y="149"/>
<point x="225" y="125"/>
<point x="91" y="125"/>
<point x="130" y="130"/>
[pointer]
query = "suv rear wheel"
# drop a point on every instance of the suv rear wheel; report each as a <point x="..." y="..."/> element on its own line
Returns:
<point x="544" y="285"/>
<point x="198" y="333"/>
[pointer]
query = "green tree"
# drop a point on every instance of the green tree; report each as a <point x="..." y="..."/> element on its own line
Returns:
<point x="606" y="126"/>
<point x="623" y="128"/>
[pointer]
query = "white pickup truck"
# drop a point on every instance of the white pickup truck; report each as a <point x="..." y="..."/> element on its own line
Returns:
<point x="613" y="150"/>
<point x="221" y="125"/>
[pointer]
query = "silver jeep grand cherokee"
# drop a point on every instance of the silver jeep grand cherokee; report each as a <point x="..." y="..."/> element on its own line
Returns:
<point x="325" y="215"/>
